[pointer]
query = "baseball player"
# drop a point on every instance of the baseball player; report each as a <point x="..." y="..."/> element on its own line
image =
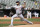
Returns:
<point x="28" y="14"/>
<point x="36" y="14"/>
<point x="18" y="13"/>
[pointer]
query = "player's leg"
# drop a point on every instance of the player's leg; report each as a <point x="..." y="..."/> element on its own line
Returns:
<point x="30" y="16"/>
<point x="21" y="16"/>
<point x="27" y="16"/>
<point x="37" y="16"/>
<point x="13" y="18"/>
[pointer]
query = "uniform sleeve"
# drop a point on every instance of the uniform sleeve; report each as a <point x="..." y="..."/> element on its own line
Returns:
<point x="21" y="6"/>
<point x="13" y="9"/>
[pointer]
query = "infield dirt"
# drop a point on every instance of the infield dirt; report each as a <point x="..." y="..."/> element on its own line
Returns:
<point x="34" y="25"/>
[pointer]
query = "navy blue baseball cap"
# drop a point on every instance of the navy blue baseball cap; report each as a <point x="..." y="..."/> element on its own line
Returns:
<point x="17" y="2"/>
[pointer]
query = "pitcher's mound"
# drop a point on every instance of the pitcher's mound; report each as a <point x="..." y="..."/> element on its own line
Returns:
<point x="34" y="25"/>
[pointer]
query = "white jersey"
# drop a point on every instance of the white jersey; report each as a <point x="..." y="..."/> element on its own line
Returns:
<point x="29" y="13"/>
<point x="18" y="9"/>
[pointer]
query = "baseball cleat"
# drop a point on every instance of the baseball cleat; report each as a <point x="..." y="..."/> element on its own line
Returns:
<point x="10" y="25"/>
<point x="30" y="22"/>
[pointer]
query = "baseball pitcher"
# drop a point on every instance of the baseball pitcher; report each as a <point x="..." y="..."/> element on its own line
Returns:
<point x="18" y="13"/>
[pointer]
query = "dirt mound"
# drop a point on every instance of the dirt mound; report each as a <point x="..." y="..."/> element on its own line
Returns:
<point x="34" y="25"/>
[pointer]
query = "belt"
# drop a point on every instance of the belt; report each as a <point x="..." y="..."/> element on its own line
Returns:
<point x="20" y="13"/>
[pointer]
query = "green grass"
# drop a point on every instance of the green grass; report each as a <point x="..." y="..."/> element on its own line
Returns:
<point x="36" y="20"/>
<point x="19" y="20"/>
<point x="9" y="20"/>
<point x="9" y="24"/>
<point x="1" y="25"/>
<point x="2" y="20"/>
